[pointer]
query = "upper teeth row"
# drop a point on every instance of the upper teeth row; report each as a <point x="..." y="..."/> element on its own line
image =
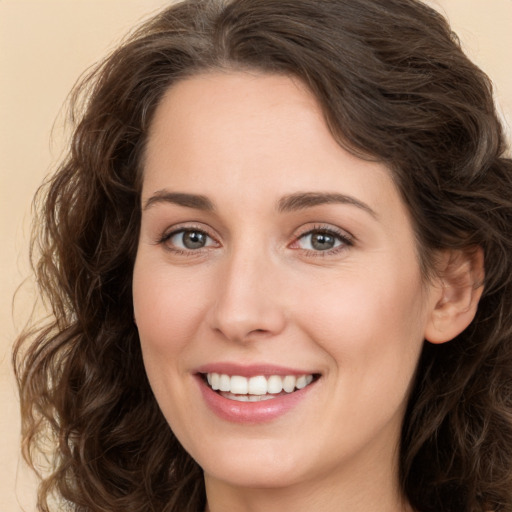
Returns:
<point x="259" y="385"/>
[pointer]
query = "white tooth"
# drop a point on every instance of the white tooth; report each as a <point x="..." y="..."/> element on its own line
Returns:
<point x="224" y="382"/>
<point x="237" y="398"/>
<point x="260" y="398"/>
<point x="247" y="398"/>
<point x="257" y="385"/>
<point x="215" y="381"/>
<point x="301" y="382"/>
<point x="274" y="384"/>
<point x="239" y="385"/>
<point x="289" y="383"/>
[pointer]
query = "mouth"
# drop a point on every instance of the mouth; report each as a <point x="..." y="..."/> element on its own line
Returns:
<point x="256" y="388"/>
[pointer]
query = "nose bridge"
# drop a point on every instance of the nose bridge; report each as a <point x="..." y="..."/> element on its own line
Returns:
<point x="246" y="302"/>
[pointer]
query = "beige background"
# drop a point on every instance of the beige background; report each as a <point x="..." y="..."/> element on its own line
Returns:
<point x="44" y="46"/>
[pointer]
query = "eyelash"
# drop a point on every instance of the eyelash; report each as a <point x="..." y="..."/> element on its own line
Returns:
<point x="186" y="229"/>
<point x="344" y="238"/>
<point x="341" y="236"/>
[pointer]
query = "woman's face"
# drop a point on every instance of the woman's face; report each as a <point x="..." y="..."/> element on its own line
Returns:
<point x="268" y="257"/>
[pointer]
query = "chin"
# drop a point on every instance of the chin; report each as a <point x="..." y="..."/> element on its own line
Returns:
<point x="254" y="477"/>
<point x="257" y="468"/>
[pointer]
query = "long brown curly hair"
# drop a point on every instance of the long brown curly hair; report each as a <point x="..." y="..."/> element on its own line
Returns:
<point x="395" y="86"/>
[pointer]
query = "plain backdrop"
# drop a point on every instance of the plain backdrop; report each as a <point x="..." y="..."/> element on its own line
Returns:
<point x="44" y="47"/>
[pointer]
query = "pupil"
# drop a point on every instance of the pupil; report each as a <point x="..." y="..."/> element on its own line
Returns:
<point x="193" y="240"/>
<point x="322" y="241"/>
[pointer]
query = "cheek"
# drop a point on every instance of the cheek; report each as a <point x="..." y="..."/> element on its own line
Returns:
<point x="167" y="308"/>
<point x="368" y="319"/>
<point x="374" y="340"/>
<point x="167" y="312"/>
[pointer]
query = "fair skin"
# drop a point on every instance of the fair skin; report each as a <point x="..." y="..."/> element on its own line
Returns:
<point x="266" y="248"/>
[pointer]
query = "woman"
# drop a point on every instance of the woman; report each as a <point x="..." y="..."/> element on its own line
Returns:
<point x="279" y="258"/>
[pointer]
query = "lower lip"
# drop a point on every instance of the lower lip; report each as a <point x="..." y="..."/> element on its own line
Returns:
<point x="251" y="412"/>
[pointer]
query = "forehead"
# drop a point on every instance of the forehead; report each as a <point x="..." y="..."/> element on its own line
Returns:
<point x="242" y="119"/>
<point x="259" y="135"/>
<point x="235" y="111"/>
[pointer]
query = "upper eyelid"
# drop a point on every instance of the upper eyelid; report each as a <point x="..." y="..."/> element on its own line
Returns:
<point x="174" y="232"/>
<point x="185" y="226"/>
<point x="167" y="234"/>
<point x="298" y="233"/>
<point x="346" y="238"/>
<point x="342" y="233"/>
<point x="165" y="238"/>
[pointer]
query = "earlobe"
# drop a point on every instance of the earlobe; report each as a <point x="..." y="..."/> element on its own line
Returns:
<point x="455" y="297"/>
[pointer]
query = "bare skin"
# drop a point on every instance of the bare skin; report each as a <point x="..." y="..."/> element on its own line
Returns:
<point x="264" y="242"/>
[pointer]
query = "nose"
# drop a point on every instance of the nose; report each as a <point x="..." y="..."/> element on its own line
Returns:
<point x="247" y="304"/>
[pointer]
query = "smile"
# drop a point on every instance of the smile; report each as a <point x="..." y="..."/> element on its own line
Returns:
<point x="257" y="388"/>
<point x="254" y="394"/>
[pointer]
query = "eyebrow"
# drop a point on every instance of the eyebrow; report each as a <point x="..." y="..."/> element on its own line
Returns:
<point x="195" y="201"/>
<point x="288" y="203"/>
<point x="303" y="200"/>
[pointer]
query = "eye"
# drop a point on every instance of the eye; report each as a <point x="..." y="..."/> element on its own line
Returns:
<point x="322" y="240"/>
<point x="188" y="240"/>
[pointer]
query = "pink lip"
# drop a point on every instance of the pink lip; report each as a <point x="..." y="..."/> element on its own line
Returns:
<point x="251" y="412"/>
<point x="249" y="370"/>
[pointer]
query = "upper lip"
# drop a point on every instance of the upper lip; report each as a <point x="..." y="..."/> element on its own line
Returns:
<point x="250" y="370"/>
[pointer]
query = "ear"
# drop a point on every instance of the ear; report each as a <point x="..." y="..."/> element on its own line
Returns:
<point x="455" y="296"/>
